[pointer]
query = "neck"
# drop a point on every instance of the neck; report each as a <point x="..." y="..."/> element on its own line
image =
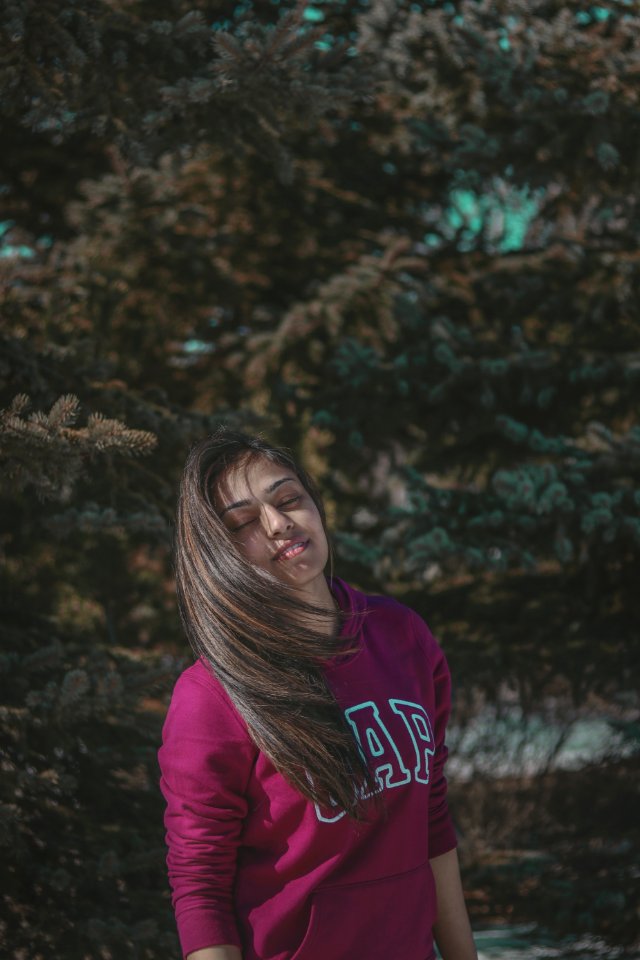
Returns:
<point x="319" y="593"/>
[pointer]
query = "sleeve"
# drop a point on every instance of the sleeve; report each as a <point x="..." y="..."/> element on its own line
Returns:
<point x="442" y="833"/>
<point x="205" y="761"/>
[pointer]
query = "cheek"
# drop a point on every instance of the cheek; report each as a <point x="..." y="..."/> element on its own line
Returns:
<point x="320" y="535"/>
<point x="248" y="544"/>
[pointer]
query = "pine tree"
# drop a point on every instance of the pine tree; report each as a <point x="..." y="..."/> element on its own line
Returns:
<point x="122" y="248"/>
<point x="474" y="379"/>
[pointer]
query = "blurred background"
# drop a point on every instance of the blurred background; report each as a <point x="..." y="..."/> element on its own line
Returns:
<point x="402" y="240"/>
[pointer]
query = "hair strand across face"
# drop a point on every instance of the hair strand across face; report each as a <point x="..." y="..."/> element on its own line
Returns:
<point x="259" y="637"/>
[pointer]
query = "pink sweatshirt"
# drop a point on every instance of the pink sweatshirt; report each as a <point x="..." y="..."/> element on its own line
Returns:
<point x="253" y="863"/>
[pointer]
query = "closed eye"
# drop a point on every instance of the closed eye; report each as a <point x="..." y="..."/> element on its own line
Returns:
<point x="290" y="500"/>
<point x="241" y="525"/>
<point x="284" y="503"/>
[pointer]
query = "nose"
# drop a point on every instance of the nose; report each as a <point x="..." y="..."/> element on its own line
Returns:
<point x="275" y="522"/>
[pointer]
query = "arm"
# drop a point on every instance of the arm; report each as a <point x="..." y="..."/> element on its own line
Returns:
<point x="216" y="953"/>
<point x="205" y="761"/>
<point x="452" y="929"/>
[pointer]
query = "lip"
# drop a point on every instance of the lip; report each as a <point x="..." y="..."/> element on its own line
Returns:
<point x="288" y="546"/>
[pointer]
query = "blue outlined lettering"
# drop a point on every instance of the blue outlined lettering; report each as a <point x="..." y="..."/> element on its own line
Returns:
<point x="389" y="770"/>
<point x="419" y="726"/>
<point x="380" y="748"/>
<point x="323" y="818"/>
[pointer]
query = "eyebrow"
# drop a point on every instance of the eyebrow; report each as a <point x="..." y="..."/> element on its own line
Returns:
<point x="245" y="503"/>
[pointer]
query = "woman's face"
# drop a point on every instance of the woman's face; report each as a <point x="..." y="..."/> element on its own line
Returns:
<point x="274" y="521"/>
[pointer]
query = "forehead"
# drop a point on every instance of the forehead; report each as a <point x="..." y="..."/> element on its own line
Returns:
<point x="249" y="479"/>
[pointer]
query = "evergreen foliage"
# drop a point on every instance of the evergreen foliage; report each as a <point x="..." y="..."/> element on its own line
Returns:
<point x="401" y="238"/>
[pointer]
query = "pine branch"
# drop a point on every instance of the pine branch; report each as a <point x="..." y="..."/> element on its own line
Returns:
<point x="45" y="452"/>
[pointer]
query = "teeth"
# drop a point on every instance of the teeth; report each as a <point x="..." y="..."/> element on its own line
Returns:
<point x="294" y="546"/>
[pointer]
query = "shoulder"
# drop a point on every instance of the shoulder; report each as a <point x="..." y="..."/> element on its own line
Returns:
<point x="200" y="703"/>
<point x="387" y="607"/>
<point x="206" y="753"/>
<point x="387" y="610"/>
<point x="198" y="674"/>
<point x="392" y="614"/>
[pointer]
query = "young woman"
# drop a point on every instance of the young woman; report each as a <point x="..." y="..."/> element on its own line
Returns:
<point x="303" y="750"/>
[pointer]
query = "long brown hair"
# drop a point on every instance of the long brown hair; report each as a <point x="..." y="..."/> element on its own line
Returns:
<point x="257" y="634"/>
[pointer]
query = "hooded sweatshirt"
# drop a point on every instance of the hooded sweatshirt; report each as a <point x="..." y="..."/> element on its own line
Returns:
<point x="255" y="864"/>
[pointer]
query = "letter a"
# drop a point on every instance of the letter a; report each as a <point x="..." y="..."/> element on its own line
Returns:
<point x="376" y="742"/>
